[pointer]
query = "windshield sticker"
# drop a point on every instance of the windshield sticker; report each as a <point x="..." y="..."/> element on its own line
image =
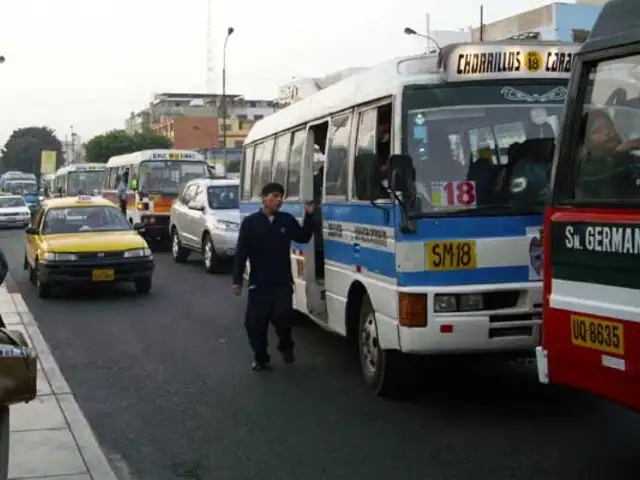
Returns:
<point x="555" y="95"/>
<point x="453" y="194"/>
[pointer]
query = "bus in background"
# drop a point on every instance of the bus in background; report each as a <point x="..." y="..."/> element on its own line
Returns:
<point x="432" y="172"/>
<point x="13" y="176"/>
<point x="156" y="177"/>
<point x="591" y="326"/>
<point x="78" y="179"/>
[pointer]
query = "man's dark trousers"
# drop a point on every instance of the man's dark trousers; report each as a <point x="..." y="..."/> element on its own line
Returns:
<point x="123" y="206"/>
<point x="269" y="304"/>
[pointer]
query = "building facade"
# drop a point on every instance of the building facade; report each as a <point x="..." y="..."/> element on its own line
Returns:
<point x="194" y="120"/>
<point x="557" y="21"/>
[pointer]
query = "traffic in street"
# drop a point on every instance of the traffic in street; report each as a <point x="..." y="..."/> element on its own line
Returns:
<point x="165" y="381"/>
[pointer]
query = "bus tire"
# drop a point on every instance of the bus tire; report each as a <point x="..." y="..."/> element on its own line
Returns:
<point x="178" y="252"/>
<point x="382" y="369"/>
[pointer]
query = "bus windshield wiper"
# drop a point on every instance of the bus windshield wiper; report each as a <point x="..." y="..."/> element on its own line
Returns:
<point x="482" y="210"/>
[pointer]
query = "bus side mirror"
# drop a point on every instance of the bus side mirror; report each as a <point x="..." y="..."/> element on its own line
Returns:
<point x="134" y="184"/>
<point x="402" y="175"/>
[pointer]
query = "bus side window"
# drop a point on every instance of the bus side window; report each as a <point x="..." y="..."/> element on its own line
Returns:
<point x="337" y="157"/>
<point x="247" y="169"/>
<point x="365" y="146"/>
<point x="280" y="159"/>
<point x="265" y="164"/>
<point x="295" y="164"/>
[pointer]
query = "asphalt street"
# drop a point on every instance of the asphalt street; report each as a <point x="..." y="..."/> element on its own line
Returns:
<point x="165" y="382"/>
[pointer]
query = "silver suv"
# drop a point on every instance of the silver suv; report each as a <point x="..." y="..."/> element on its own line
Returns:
<point x="206" y="219"/>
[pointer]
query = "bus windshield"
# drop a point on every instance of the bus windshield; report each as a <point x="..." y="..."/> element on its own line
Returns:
<point x="169" y="176"/>
<point x="484" y="147"/>
<point x="606" y="165"/>
<point x="85" y="182"/>
<point x="21" y="187"/>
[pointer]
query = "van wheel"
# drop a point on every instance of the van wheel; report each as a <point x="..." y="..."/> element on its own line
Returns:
<point x="210" y="257"/>
<point x="382" y="369"/>
<point x="178" y="252"/>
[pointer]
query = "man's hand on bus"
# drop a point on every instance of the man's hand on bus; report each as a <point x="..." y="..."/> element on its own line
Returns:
<point x="309" y="208"/>
<point x="237" y="289"/>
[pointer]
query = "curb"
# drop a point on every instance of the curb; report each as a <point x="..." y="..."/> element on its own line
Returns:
<point x="94" y="457"/>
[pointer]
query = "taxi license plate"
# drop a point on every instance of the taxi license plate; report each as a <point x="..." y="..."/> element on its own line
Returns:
<point x="597" y="334"/>
<point x="451" y="255"/>
<point x="103" y="275"/>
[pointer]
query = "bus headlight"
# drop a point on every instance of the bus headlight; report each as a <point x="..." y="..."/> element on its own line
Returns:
<point x="445" y="303"/>
<point x="471" y="301"/>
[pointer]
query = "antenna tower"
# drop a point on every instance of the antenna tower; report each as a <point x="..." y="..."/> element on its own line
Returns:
<point x="211" y="77"/>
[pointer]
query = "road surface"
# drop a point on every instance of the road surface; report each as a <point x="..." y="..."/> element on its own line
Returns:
<point x="165" y="382"/>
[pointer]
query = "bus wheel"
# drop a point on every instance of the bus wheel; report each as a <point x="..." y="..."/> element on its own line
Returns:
<point x="178" y="252"/>
<point x="382" y="369"/>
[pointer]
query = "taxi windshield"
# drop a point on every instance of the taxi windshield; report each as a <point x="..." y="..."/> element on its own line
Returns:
<point x="84" y="182"/>
<point x="83" y="219"/>
<point x="223" y="197"/>
<point x="480" y="146"/>
<point x="12" y="202"/>
<point x="169" y="176"/>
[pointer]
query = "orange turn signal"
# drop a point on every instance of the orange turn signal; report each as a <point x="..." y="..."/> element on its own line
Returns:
<point x="412" y="310"/>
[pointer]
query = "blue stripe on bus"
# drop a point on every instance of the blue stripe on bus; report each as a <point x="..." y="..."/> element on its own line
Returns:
<point x="375" y="261"/>
<point x="478" y="276"/>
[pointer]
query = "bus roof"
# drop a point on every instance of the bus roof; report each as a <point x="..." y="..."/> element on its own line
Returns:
<point x="459" y="62"/>
<point x="81" y="167"/>
<point x="136" y="158"/>
<point x="617" y="25"/>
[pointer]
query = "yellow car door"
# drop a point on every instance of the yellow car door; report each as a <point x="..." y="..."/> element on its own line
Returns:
<point x="33" y="241"/>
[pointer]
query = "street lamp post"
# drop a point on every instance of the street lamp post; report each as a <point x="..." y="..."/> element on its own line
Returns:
<point x="428" y="38"/>
<point x="230" y="31"/>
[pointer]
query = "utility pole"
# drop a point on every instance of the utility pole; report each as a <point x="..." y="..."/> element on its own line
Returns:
<point x="73" y="145"/>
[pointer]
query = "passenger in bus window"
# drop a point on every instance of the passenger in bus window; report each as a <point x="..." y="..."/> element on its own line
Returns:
<point x="265" y="241"/>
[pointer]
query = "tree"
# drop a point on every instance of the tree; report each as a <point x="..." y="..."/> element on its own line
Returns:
<point x="118" y="142"/>
<point x="23" y="150"/>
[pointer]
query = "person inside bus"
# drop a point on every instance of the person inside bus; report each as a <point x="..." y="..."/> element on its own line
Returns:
<point x="606" y="166"/>
<point x="265" y="240"/>
<point x="122" y="191"/>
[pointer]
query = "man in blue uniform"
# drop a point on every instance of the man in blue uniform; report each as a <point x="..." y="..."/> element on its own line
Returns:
<point x="265" y="240"/>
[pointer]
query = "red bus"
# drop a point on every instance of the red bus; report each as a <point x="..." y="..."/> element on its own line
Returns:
<point x="591" y="315"/>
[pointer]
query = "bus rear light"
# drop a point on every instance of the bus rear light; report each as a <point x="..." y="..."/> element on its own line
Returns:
<point x="142" y="206"/>
<point x="299" y="268"/>
<point x="412" y="310"/>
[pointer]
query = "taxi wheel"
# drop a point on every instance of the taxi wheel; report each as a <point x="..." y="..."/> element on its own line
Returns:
<point x="209" y="255"/>
<point x="43" y="290"/>
<point x="385" y="371"/>
<point x="143" y="285"/>
<point x="178" y="252"/>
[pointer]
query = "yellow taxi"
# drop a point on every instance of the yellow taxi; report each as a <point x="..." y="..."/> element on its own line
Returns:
<point x="82" y="240"/>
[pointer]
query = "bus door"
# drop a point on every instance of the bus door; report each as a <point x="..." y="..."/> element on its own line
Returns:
<point x="312" y="189"/>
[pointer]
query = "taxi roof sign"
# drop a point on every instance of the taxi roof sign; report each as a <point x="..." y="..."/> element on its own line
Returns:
<point x="84" y="198"/>
<point x="508" y="60"/>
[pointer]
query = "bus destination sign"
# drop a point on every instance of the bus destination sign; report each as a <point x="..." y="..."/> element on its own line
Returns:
<point x="174" y="156"/>
<point x="486" y="62"/>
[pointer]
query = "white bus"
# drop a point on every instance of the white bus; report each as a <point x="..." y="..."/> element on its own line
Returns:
<point x="446" y="260"/>
<point x="78" y="179"/>
<point x="155" y="180"/>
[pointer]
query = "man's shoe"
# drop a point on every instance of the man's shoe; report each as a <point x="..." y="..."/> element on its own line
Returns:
<point x="288" y="356"/>
<point x="260" y="366"/>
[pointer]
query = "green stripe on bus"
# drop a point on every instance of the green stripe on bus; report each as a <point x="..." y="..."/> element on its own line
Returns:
<point x="602" y="253"/>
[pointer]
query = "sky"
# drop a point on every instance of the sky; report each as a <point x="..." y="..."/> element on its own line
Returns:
<point x="88" y="64"/>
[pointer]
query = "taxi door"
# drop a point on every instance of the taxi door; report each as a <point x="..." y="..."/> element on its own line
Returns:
<point x="32" y="242"/>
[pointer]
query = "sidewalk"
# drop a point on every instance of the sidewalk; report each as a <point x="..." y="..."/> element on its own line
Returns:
<point x="50" y="437"/>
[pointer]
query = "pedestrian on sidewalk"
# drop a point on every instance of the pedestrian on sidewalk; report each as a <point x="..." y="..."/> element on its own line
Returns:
<point x="265" y="240"/>
<point x="122" y="192"/>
